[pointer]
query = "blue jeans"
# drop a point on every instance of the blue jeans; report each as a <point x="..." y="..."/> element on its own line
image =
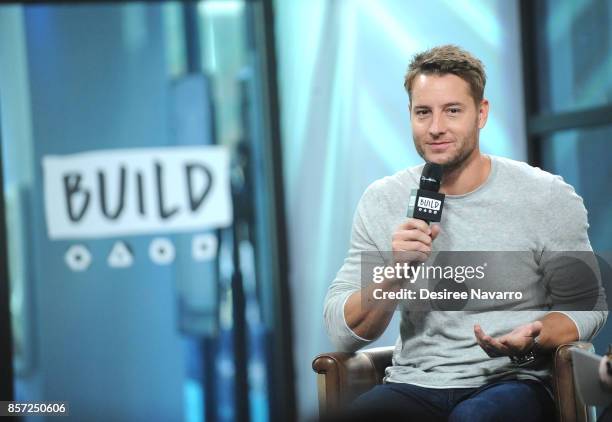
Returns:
<point x="511" y="400"/>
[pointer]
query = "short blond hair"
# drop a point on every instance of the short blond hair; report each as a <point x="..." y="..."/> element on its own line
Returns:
<point x="448" y="59"/>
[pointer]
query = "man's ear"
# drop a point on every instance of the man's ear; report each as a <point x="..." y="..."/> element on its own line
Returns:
<point x="483" y="113"/>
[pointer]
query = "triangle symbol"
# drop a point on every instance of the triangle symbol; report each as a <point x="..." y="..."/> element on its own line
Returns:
<point x="120" y="256"/>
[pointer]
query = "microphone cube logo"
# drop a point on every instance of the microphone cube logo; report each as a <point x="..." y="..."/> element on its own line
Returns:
<point x="426" y="205"/>
<point x="429" y="203"/>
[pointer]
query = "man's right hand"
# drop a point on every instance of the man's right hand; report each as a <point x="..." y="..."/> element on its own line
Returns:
<point x="411" y="241"/>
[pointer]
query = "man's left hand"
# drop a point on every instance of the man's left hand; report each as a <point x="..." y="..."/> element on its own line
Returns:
<point x="517" y="342"/>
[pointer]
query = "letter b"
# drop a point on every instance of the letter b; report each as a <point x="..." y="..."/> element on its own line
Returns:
<point x="72" y="183"/>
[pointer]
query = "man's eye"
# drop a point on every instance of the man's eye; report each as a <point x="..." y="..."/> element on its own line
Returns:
<point x="422" y="112"/>
<point x="454" y="110"/>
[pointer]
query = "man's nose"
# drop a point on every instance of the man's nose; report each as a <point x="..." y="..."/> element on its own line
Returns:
<point x="438" y="126"/>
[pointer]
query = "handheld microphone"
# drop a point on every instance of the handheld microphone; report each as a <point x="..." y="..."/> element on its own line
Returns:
<point x="426" y="202"/>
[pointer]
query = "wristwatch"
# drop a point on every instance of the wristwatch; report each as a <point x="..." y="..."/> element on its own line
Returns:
<point x="526" y="358"/>
<point x="523" y="360"/>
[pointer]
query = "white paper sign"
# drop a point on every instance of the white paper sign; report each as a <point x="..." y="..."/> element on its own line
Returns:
<point x="137" y="191"/>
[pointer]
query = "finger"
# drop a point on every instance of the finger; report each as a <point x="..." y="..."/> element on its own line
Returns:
<point x="494" y="353"/>
<point x="521" y="338"/>
<point x="488" y="349"/>
<point x="415" y="223"/>
<point x="420" y="257"/>
<point x="410" y="246"/>
<point x="506" y="340"/>
<point x="435" y="231"/>
<point x="479" y="331"/>
<point x="512" y="347"/>
<point x="536" y="328"/>
<point x="412" y="235"/>
<point x="490" y="342"/>
<point x="480" y="336"/>
<point x="481" y="344"/>
<point x="498" y="348"/>
<point x="494" y="343"/>
<point x="406" y="255"/>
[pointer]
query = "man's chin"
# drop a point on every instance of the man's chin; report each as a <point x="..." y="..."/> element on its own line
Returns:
<point x="440" y="159"/>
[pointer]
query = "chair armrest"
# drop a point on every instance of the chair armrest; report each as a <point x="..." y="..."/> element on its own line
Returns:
<point x="343" y="376"/>
<point x="570" y="407"/>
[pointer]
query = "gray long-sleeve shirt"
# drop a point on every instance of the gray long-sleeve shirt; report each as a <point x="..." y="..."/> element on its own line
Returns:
<point x="518" y="208"/>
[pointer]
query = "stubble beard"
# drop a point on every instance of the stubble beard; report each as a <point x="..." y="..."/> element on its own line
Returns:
<point x="456" y="161"/>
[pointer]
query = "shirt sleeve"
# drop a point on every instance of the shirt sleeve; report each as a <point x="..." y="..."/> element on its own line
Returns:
<point x="348" y="281"/>
<point x="566" y="231"/>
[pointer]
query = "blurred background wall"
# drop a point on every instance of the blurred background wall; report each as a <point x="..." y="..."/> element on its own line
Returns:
<point x="112" y="325"/>
<point x="165" y="323"/>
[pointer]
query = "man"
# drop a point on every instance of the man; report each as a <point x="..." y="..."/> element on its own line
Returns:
<point x="455" y="365"/>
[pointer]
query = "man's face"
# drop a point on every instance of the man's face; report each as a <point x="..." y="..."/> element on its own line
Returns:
<point x="445" y="120"/>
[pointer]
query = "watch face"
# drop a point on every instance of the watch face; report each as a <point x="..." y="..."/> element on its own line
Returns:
<point x="524" y="360"/>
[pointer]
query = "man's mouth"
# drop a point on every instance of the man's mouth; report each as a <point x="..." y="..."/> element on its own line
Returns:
<point x="439" y="146"/>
